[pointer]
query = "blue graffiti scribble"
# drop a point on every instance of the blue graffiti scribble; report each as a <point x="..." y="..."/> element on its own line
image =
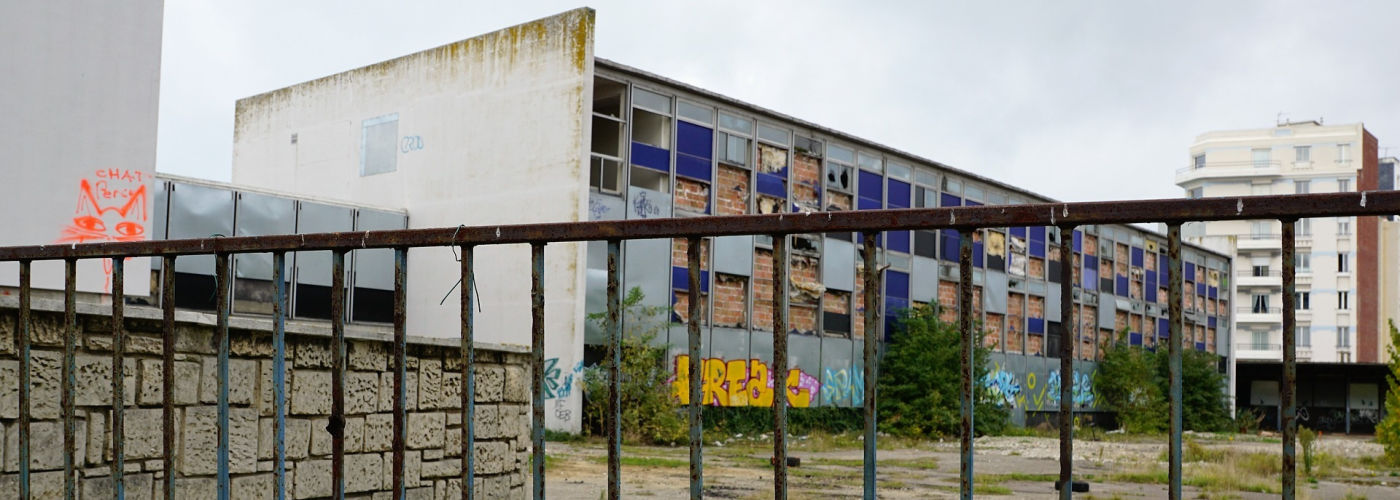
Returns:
<point x="558" y="384"/>
<point x="1003" y="387"/>
<point x="840" y="386"/>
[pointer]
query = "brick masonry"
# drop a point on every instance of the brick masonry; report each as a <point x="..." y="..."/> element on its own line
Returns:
<point x="434" y="449"/>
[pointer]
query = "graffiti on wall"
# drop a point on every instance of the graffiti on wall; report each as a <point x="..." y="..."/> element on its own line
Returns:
<point x="1033" y="391"/>
<point x="111" y="206"/>
<point x="843" y="385"/>
<point x="558" y="381"/>
<point x="742" y="382"/>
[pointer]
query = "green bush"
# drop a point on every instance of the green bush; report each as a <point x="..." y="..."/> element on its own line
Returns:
<point x="920" y="383"/>
<point x="1134" y="383"/>
<point x="649" y="415"/>
<point x="1308" y="438"/>
<point x="1388" y="430"/>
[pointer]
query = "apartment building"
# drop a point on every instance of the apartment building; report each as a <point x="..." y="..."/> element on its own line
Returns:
<point x="526" y="125"/>
<point x="1345" y="266"/>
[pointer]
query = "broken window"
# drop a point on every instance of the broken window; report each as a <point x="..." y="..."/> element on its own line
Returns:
<point x="605" y="162"/>
<point x="839" y="175"/>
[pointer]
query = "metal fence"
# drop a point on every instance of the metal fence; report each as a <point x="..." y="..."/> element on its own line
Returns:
<point x="966" y="220"/>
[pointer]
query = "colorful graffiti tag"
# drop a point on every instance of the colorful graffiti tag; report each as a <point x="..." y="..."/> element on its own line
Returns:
<point x="559" y="383"/>
<point x="742" y="382"/>
<point x="843" y="386"/>
<point x="1037" y="393"/>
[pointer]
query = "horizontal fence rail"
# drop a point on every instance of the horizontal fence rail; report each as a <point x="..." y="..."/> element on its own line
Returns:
<point x="966" y="220"/>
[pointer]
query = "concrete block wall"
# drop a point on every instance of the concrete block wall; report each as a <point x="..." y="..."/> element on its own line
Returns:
<point x="434" y="433"/>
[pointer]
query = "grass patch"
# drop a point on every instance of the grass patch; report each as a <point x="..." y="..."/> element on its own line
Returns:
<point x="1018" y="476"/>
<point x="563" y="437"/>
<point x="646" y="461"/>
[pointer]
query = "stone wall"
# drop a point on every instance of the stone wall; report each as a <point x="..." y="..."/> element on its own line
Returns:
<point x="433" y="460"/>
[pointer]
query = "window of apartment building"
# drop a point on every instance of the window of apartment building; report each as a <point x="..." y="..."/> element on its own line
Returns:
<point x="1343" y="225"/>
<point x="1302" y="262"/>
<point x="1344" y="336"/>
<point x="1343" y="300"/>
<point x="1260" y="303"/>
<point x="1259" y="340"/>
<point x="1343" y="153"/>
<point x="1343" y="185"/>
<point x="379" y="140"/>
<point x="1303" y="227"/>
<point x="1301" y="187"/>
<point x="1302" y="153"/>
<point x="1343" y="262"/>
<point x="1261" y="270"/>
<point x="1260" y="157"/>
<point x="1302" y="301"/>
<point x="1195" y="193"/>
<point x="1261" y="228"/>
<point x="1303" y="335"/>
<point x="1198" y="161"/>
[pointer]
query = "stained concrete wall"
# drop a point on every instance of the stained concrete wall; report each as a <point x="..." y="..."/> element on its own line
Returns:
<point x="432" y="464"/>
<point x="486" y="131"/>
<point x="79" y="93"/>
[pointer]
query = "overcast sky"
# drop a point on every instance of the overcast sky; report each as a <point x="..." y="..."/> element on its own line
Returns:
<point x="1078" y="101"/>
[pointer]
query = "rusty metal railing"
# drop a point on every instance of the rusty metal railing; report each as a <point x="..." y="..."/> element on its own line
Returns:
<point x="966" y="220"/>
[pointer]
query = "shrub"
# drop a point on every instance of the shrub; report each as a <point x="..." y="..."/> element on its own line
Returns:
<point x="1307" y="437"/>
<point x="1135" y="383"/>
<point x="920" y="380"/>
<point x="1388" y="430"/>
<point x="648" y="414"/>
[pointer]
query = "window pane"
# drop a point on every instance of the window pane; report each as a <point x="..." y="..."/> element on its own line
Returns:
<point x="809" y="146"/>
<point x="841" y="154"/>
<point x="379" y="145"/>
<point x="1302" y="153"/>
<point x="870" y="162"/>
<point x="774" y="134"/>
<point x="651" y="100"/>
<point x="735" y="123"/>
<point x="898" y="170"/>
<point x="702" y="114"/>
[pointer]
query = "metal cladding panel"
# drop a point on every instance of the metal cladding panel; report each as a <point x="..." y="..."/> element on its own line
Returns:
<point x="1163" y="327"/>
<point x="773" y="185"/>
<point x="314" y="268"/>
<point x="805" y="354"/>
<point x="374" y="268"/>
<point x="693" y="167"/>
<point x="871" y="186"/>
<point x="600" y="207"/>
<point x="680" y="279"/>
<point x="646" y="155"/>
<point x="1052" y="304"/>
<point x="897" y="284"/>
<point x="729" y="344"/>
<point x="994" y="293"/>
<point x="894" y="308"/>
<point x="842" y="381"/>
<point x="200" y="212"/>
<point x="761" y="346"/>
<point x="1137" y="257"/>
<point x="899" y="192"/>
<point x="1106" y="310"/>
<point x="258" y="215"/>
<point x="925" y="280"/>
<point x="646" y="262"/>
<point x="1150" y="286"/>
<point x="734" y="255"/>
<point x="839" y="265"/>
<point x="694" y="140"/>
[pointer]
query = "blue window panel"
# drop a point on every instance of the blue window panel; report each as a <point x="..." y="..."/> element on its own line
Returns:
<point x="977" y="248"/>
<point x="680" y="279"/>
<point x="772" y="185"/>
<point x="1134" y="338"/>
<point x="1211" y="291"/>
<point x="695" y="140"/>
<point x="1200" y="289"/>
<point x="898" y="240"/>
<point x="949" y="249"/>
<point x="1190" y="272"/>
<point x="1163" y="269"/>
<point x="868" y="204"/>
<point x="1090" y="273"/>
<point x="693" y="167"/>
<point x="872" y="186"/>
<point x="1120" y="286"/>
<point x="1210" y="322"/>
<point x="892" y="307"/>
<point x="1078" y="241"/>
<point x="1200" y="346"/>
<point x="1163" y="328"/>
<point x="948" y="200"/>
<point x="899" y="194"/>
<point x="1035" y="325"/>
<point x="1150" y="287"/>
<point x="1019" y="232"/>
<point x="651" y="157"/>
<point x="971" y="203"/>
<point x="897" y="284"/>
<point x="1137" y="257"/>
<point x="1037" y="242"/>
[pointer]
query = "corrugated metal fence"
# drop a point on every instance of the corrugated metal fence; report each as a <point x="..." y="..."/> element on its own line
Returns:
<point x="966" y="220"/>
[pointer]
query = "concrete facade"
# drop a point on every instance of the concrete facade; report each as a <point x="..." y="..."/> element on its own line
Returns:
<point x="82" y="82"/>
<point x="432" y="463"/>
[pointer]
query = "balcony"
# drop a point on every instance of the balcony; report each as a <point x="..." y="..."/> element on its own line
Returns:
<point x="1260" y="241"/>
<point x="1252" y="350"/>
<point x="1268" y="315"/>
<point x="1228" y="169"/>
<point x="1267" y="278"/>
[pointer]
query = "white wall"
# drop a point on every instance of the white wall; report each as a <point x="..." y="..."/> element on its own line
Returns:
<point x="491" y="131"/>
<point x="79" y="91"/>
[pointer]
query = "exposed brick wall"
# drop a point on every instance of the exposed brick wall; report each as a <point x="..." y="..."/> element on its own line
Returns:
<point x="1088" y="319"/>
<point x="1015" y="321"/>
<point x="732" y="191"/>
<point x="763" y="289"/>
<point x="1035" y="307"/>
<point x="838" y="201"/>
<point x="993" y="329"/>
<point x="858" y="324"/>
<point x="679" y="247"/>
<point x="1369" y="330"/>
<point x="803" y="318"/>
<point x="434" y="424"/>
<point x="1037" y="268"/>
<point x="1210" y="340"/>
<point x="948" y="301"/>
<point x="692" y="196"/>
<point x="807" y="181"/>
<point x="804" y="272"/>
<point x="1035" y="344"/>
<point x="731" y="300"/>
<point x="682" y="307"/>
<point x="1091" y="245"/>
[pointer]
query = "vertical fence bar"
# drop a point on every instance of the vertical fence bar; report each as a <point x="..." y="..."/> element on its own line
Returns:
<point x="780" y="365"/>
<point x="1289" y="399"/>
<point x="697" y="473"/>
<point x="70" y="381"/>
<point x="223" y="285"/>
<point x="400" y="370"/>
<point x="118" y="376"/>
<point x="279" y="374"/>
<point x="614" y="326"/>
<point x="965" y="326"/>
<point x="468" y="354"/>
<point x="336" y="425"/>
<point x="1174" y="299"/>
<point x="537" y="370"/>
<point x="167" y="305"/>
<point x="25" y="328"/>
<point x="871" y="274"/>
<point x="1069" y="339"/>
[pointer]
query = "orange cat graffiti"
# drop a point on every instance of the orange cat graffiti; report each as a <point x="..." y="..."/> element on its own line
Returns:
<point x="111" y="209"/>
